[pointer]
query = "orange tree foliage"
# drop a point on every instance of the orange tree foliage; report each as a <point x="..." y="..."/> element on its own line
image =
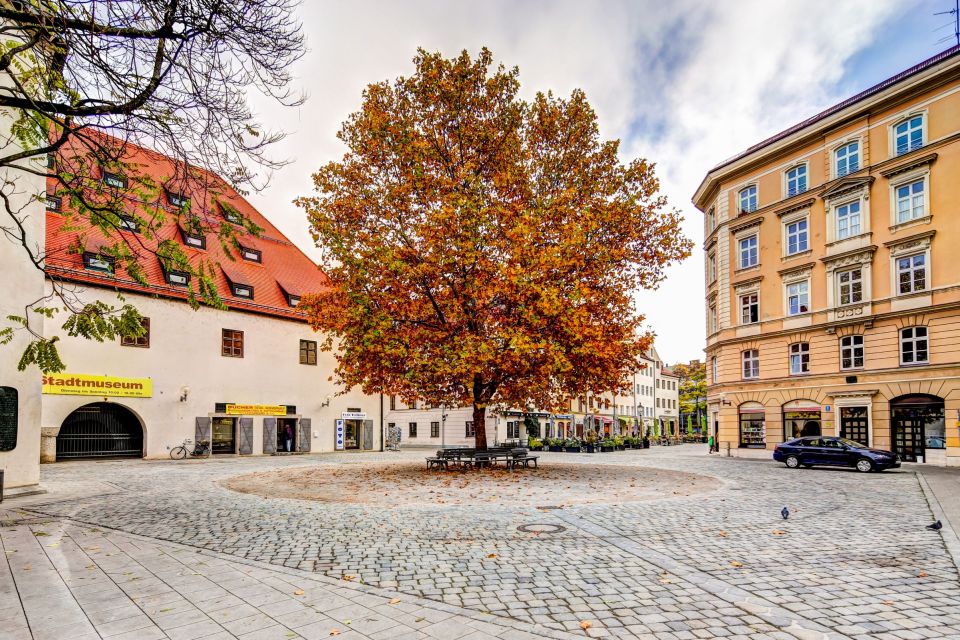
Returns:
<point x="483" y="249"/>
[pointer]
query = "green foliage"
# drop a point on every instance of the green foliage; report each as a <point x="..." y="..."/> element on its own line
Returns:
<point x="43" y="353"/>
<point x="532" y="425"/>
<point x="100" y="321"/>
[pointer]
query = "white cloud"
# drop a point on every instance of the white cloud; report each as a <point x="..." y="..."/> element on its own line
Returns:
<point x="685" y="84"/>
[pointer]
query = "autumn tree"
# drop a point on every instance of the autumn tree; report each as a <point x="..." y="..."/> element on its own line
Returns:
<point x="483" y="249"/>
<point x="81" y="80"/>
<point x="692" y="387"/>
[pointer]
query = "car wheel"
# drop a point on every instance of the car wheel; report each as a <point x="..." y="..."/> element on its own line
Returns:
<point x="792" y="462"/>
<point x="864" y="465"/>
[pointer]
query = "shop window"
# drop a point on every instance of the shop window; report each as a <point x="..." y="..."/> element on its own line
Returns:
<point x="513" y="430"/>
<point x="413" y="430"/>
<point x="752" y="426"/>
<point x="851" y="352"/>
<point x="308" y="353"/>
<point x="434" y="429"/>
<point x="469" y="431"/>
<point x="801" y="418"/>
<point x="913" y="345"/>
<point x="97" y="262"/>
<point x="142" y="341"/>
<point x="799" y="358"/>
<point x="232" y="343"/>
<point x="9" y="418"/>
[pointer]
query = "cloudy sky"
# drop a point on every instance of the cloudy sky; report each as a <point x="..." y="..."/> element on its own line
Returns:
<point x="684" y="83"/>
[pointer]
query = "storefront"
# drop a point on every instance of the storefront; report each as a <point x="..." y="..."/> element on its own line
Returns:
<point x="801" y="418"/>
<point x="353" y="432"/>
<point x="919" y="428"/>
<point x="753" y="432"/>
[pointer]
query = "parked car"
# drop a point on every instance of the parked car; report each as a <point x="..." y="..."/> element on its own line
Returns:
<point x="832" y="451"/>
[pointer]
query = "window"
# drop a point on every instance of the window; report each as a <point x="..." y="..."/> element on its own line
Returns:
<point x="51" y="161"/>
<point x="54" y="203"/>
<point x="797" y="237"/>
<point x="751" y="364"/>
<point x="848" y="220"/>
<point x="308" y="355"/>
<point x="715" y="369"/>
<point x="252" y="255"/>
<point x="230" y="214"/>
<point x="177" y="278"/>
<point x="847" y="159"/>
<point x="913" y="345"/>
<point x="799" y="358"/>
<point x="752" y="426"/>
<point x="242" y="290"/>
<point x="711" y="267"/>
<point x="749" y="308"/>
<point x="413" y="430"/>
<point x="128" y="223"/>
<point x="232" y="343"/>
<point x="196" y="241"/>
<point x="908" y="135"/>
<point x="434" y="429"/>
<point x="749" y="252"/>
<point x="9" y="418"/>
<point x="114" y="180"/>
<point x="798" y="298"/>
<point x="142" y="341"/>
<point x="850" y="285"/>
<point x="293" y="300"/>
<point x="714" y="327"/>
<point x="711" y="220"/>
<point x="748" y="199"/>
<point x="513" y="430"/>
<point x="851" y="352"/>
<point x="393" y="403"/>
<point x="97" y="262"/>
<point x="910" y="201"/>
<point x="177" y="200"/>
<point x="912" y="273"/>
<point x="797" y="180"/>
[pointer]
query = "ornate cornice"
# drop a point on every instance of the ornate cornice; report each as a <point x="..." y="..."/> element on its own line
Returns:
<point x="796" y="269"/>
<point x="909" y="164"/>
<point x="796" y="206"/>
<point x="850" y="257"/>
<point x="915" y="238"/>
<point x="846" y="185"/>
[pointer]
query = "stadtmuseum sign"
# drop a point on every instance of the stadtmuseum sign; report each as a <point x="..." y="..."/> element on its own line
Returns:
<point x="81" y="384"/>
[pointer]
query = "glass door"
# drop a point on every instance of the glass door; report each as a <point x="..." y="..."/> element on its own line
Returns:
<point x="853" y="424"/>
<point x="224" y="435"/>
<point x="351" y="434"/>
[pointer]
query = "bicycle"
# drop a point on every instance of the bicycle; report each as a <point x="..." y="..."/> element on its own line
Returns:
<point x="198" y="450"/>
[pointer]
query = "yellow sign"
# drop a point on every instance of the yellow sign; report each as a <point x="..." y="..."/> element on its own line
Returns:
<point x="80" y="384"/>
<point x="256" y="410"/>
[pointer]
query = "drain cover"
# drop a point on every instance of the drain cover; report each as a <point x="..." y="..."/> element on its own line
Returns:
<point x="541" y="527"/>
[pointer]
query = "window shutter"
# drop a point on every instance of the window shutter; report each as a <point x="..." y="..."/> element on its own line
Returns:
<point x="368" y="434"/>
<point x="304" y="435"/>
<point x="202" y="432"/>
<point x="269" y="435"/>
<point x="246" y="436"/>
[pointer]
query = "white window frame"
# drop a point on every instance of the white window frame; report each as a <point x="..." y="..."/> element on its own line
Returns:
<point x="740" y="252"/>
<point x="745" y="306"/>
<point x="914" y="340"/>
<point x="838" y="277"/>
<point x="835" y="158"/>
<point x="911" y="200"/>
<point x="787" y="179"/>
<point x="714" y="325"/>
<point x="912" y="270"/>
<point x="711" y="219"/>
<point x="897" y="182"/>
<point x="712" y="267"/>
<point x="852" y="348"/>
<point x="799" y="355"/>
<point x="750" y="364"/>
<point x="753" y="193"/>
<point x="860" y="219"/>
<point x="787" y="295"/>
<point x="895" y="150"/>
<point x="796" y="220"/>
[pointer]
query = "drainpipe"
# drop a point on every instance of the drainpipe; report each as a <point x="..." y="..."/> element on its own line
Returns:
<point x="381" y="423"/>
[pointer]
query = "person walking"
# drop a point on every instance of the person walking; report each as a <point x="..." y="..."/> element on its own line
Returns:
<point x="712" y="443"/>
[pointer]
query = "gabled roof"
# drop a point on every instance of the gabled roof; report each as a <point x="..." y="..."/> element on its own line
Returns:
<point x="281" y="260"/>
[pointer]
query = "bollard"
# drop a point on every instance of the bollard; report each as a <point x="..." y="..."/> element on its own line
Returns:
<point x="728" y="449"/>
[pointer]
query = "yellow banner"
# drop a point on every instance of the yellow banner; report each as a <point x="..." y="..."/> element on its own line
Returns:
<point x="80" y="384"/>
<point x="256" y="410"/>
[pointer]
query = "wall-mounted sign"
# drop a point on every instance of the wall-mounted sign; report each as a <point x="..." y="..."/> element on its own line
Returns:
<point x="354" y="415"/>
<point x="338" y="443"/>
<point x="256" y="410"/>
<point x="826" y="408"/>
<point x="80" y="384"/>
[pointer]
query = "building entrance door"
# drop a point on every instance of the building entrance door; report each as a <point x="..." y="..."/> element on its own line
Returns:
<point x="224" y="435"/>
<point x="918" y="424"/>
<point x="853" y="425"/>
<point x="100" y="430"/>
<point x="286" y="434"/>
<point x="351" y="434"/>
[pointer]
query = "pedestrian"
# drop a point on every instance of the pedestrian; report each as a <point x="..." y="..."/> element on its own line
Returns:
<point x="289" y="435"/>
<point x="711" y="444"/>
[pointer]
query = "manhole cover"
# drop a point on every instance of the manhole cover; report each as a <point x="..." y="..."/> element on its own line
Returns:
<point x="541" y="527"/>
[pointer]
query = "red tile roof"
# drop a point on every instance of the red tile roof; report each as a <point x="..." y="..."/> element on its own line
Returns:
<point x="281" y="261"/>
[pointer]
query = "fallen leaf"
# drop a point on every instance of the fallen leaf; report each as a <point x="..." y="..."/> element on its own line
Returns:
<point x="349" y="578"/>
<point x="887" y="602"/>
<point x="585" y="624"/>
<point x="778" y="532"/>
<point x="736" y="564"/>
<point x="722" y="534"/>
<point x="298" y="592"/>
<point x="491" y="555"/>
<point x="395" y="601"/>
<point x="334" y="632"/>
<point x="922" y="574"/>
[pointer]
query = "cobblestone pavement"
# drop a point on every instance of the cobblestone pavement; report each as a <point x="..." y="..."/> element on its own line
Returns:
<point x="853" y="561"/>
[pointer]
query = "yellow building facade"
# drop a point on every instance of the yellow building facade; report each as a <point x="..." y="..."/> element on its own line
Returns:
<point x="833" y="275"/>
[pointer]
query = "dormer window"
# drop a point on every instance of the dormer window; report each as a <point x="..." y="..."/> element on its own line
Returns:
<point x="177" y="200"/>
<point x="54" y="203"/>
<point x="97" y="262"/>
<point x="177" y="278"/>
<point x="51" y="161"/>
<point x="293" y="300"/>
<point x="191" y="240"/>
<point x="114" y="180"/>
<point x="252" y="255"/>
<point x="128" y="223"/>
<point x="242" y="291"/>
<point x="230" y="214"/>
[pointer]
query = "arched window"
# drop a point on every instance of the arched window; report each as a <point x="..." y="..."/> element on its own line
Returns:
<point x="748" y="199"/>
<point x="752" y="426"/>
<point x="801" y="418"/>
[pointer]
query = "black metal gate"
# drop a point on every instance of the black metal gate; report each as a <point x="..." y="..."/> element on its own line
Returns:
<point x="100" y="430"/>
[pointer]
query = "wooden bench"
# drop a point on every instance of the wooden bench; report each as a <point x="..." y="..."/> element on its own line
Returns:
<point x="437" y="462"/>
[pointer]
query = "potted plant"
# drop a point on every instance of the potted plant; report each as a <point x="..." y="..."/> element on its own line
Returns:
<point x="534" y="444"/>
<point x="606" y="445"/>
<point x="591" y="441"/>
<point x="618" y="443"/>
<point x="571" y="445"/>
<point x="555" y="444"/>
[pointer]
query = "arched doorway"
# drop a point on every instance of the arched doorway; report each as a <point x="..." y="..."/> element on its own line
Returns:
<point x="917" y="422"/>
<point x="100" y="430"/>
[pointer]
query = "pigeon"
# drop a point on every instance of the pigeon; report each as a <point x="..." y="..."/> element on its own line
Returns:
<point x="785" y="513"/>
<point x="936" y="526"/>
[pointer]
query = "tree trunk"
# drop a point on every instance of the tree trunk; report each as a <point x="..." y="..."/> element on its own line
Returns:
<point x="480" y="427"/>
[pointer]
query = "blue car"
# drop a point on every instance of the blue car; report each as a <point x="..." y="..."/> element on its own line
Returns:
<point x="835" y="452"/>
